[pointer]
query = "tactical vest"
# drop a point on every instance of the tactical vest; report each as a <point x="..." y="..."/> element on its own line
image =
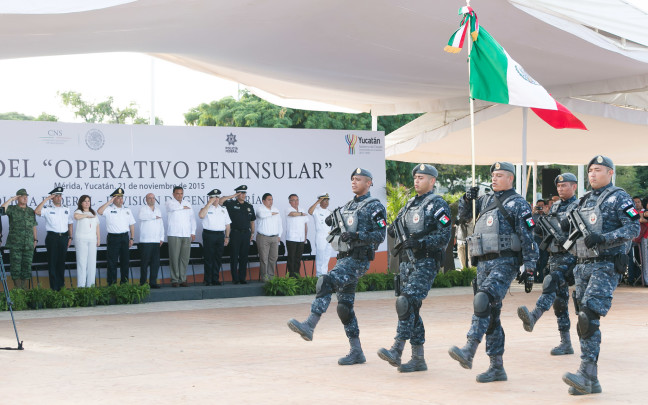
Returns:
<point x="414" y="218"/>
<point x="350" y="217"/>
<point x="486" y="237"/>
<point x="594" y="222"/>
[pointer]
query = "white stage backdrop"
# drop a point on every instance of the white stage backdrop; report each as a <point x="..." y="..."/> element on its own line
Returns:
<point x="95" y="159"/>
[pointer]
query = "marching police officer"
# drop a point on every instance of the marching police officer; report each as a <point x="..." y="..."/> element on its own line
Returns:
<point x="501" y="242"/>
<point x="555" y="288"/>
<point x="242" y="215"/>
<point x="359" y="227"/>
<point x="58" y="224"/>
<point x="611" y="222"/>
<point x="119" y="221"/>
<point x="22" y="237"/>
<point x="216" y="233"/>
<point x="425" y="221"/>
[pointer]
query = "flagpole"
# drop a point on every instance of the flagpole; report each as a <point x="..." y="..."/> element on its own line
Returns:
<point x="472" y="120"/>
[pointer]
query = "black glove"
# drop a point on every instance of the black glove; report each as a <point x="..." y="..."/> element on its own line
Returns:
<point x="348" y="236"/>
<point x="412" y="243"/>
<point x="527" y="278"/>
<point x="564" y="224"/>
<point x="472" y="193"/>
<point x="390" y="231"/>
<point x="329" y="220"/>
<point x="593" y="239"/>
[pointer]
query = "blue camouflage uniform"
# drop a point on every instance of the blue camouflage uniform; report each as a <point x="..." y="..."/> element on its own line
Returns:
<point x="417" y="278"/>
<point x="561" y="267"/>
<point x="596" y="279"/>
<point x="343" y="278"/>
<point x="495" y="274"/>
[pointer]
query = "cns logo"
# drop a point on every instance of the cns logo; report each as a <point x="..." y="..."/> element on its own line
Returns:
<point x="231" y="140"/>
<point x="351" y="141"/>
<point x="95" y="139"/>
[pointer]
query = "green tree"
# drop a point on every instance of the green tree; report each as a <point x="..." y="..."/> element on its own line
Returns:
<point x="22" y="117"/>
<point x="103" y="112"/>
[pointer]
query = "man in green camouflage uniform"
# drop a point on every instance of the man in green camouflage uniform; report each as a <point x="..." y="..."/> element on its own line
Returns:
<point x="22" y="237"/>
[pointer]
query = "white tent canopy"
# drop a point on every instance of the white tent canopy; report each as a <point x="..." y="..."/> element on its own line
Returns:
<point x="382" y="56"/>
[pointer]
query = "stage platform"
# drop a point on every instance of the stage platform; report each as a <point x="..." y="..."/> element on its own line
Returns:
<point x="202" y="292"/>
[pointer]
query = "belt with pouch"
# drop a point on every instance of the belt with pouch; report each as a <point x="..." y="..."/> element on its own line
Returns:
<point x="586" y="260"/>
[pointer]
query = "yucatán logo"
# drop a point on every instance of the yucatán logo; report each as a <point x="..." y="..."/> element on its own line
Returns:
<point x="351" y="140"/>
<point x="231" y="140"/>
<point x="95" y="139"/>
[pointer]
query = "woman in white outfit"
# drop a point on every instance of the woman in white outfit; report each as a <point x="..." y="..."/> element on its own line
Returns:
<point x="86" y="240"/>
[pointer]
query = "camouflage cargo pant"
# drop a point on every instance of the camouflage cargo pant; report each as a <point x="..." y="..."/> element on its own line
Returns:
<point x="493" y="277"/>
<point x="416" y="281"/>
<point x="344" y="278"/>
<point x="20" y="258"/>
<point x="595" y="284"/>
<point x="559" y="266"/>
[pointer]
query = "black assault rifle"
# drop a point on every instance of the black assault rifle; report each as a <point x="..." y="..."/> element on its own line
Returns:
<point x="338" y="227"/>
<point x="401" y="236"/>
<point x="548" y="231"/>
<point x="577" y="229"/>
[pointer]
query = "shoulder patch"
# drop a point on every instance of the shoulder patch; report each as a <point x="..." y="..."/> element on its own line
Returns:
<point x="442" y="216"/>
<point x="379" y="218"/>
<point x="528" y="220"/>
<point x="630" y="210"/>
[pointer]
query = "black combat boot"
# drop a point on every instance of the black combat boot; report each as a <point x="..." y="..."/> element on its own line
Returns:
<point x="585" y="380"/>
<point x="529" y="319"/>
<point x="305" y="329"/>
<point x="393" y="355"/>
<point x="495" y="371"/>
<point x="464" y="355"/>
<point x="417" y="363"/>
<point x="355" y="355"/>
<point x="564" y="347"/>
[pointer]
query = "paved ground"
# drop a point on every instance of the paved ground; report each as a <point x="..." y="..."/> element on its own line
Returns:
<point x="240" y="351"/>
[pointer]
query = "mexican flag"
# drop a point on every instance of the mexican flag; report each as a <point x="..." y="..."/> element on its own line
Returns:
<point x="496" y="77"/>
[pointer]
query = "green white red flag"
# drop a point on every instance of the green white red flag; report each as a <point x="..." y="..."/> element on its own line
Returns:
<point x="496" y="77"/>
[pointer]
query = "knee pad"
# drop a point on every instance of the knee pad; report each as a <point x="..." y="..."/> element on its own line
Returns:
<point x="586" y="326"/>
<point x="494" y="320"/>
<point x="560" y="306"/>
<point x="403" y="307"/>
<point x="550" y="284"/>
<point x="482" y="304"/>
<point x="324" y="286"/>
<point x="345" y="312"/>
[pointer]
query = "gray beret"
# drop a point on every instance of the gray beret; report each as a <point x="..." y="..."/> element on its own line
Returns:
<point x="503" y="166"/>
<point x="425" y="169"/>
<point x="565" y="177"/>
<point x="361" y="172"/>
<point x="601" y="160"/>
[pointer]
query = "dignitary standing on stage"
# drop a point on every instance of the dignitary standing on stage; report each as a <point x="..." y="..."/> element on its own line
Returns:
<point x="22" y="237"/>
<point x="86" y="240"/>
<point x="323" y="249"/>
<point x="216" y="233"/>
<point x="242" y="215"/>
<point x="181" y="231"/>
<point x="119" y="222"/>
<point x="58" y="224"/>
<point x="151" y="237"/>
<point x="296" y="231"/>
<point x="268" y="235"/>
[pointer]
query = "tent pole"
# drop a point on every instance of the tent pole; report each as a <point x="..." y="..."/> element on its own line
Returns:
<point x="525" y="112"/>
<point x="152" y="116"/>
<point x="374" y="122"/>
<point x="581" y="180"/>
<point x="472" y="120"/>
<point x="535" y="183"/>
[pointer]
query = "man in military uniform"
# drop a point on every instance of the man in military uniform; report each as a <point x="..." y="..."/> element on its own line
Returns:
<point x="555" y="288"/>
<point x="501" y="242"/>
<point x="216" y="233"/>
<point x="58" y="224"/>
<point x="119" y="221"/>
<point x="359" y="227"/>
<point x="611" y="222"/>
<point x="425" y="221"/>
<point x="242" y="216"/>
<point x="320" y="211"/>
<point x="22" y="237"/>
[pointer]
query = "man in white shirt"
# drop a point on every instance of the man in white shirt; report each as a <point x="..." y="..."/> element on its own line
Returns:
<point x="151" y="238"/>
<point x="58" y="223"/>
<point x="181" y="232"/>
<point x="119" y="221"/>
<point x="269" y="228"/>
<point x="323" y="249"/>
<point x="216" y="230"/>
<point x="296" y="230"/>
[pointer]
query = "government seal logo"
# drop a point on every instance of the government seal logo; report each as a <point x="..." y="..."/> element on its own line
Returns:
<point x="95" y="139"/>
